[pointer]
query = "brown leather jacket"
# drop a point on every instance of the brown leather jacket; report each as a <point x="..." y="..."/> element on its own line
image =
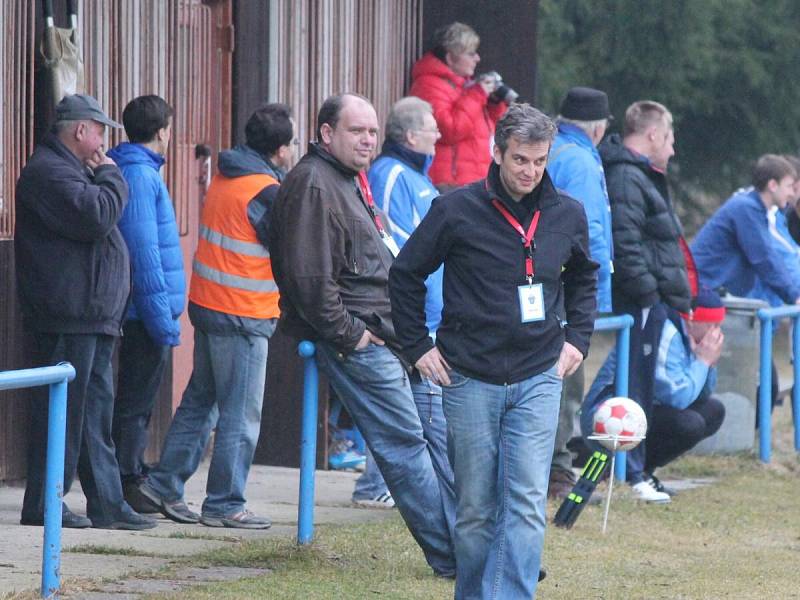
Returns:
<point x="329" y="261"/>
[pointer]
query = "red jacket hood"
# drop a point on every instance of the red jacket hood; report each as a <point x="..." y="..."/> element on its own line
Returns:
<point x="430" y="65"/>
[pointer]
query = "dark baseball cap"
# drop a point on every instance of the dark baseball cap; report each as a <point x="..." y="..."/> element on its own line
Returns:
<point x="79" y="107"/>
<point x="585" y="104"/>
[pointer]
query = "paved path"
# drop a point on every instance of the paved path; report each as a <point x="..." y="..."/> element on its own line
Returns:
<point x="271" y="491"/>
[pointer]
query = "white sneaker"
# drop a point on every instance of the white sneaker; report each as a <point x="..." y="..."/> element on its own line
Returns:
<point x="382" y="501"/>
<point x="645" y="491"/>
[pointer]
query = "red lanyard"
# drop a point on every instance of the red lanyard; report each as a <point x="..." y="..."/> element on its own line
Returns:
<point x="527" y="238"/>
<point x="363" y="184"/>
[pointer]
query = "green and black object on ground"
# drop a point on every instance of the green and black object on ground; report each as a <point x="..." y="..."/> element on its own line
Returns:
<point x="573" y="504"/>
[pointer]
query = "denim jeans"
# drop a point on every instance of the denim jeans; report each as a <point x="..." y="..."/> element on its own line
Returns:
<point x="374" y="387"/>
<point x="141" y="368"/>
<point x="89" y="448"/>
<point x="501" y="442"/>
<point x="229" y="374"/>
<point x="428" y="399"/>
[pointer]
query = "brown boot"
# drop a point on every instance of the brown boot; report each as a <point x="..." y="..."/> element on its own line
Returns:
<point x="561" y="483"/>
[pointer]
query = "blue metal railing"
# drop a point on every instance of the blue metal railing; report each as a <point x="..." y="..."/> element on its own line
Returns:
<point x="308" y="444"/>
<point x="622" y="324"/>
<point x="767" y="316"/>
<point x="56" y="377"/>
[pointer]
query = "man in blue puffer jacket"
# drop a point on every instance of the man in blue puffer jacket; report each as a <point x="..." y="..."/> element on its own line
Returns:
<point x="575" y="167"/>
<point x="158" y="288"/>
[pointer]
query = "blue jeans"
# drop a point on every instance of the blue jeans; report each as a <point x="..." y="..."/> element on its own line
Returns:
<point x="141" y="369"/>
<point x="501" y="441"/>
<point x="229" y="374"/>
<point x="428" y="399"/>
<point x="374" y="387"/>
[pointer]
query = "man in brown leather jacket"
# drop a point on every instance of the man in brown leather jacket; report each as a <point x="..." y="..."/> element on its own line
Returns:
<point x="331" y="257"/>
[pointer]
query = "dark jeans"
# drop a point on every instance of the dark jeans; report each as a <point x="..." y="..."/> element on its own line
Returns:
<point x="673" y="431"/>
<point x="643" y="349"/>
<point x="89" y="447"/>
<point x="141" y="368"/>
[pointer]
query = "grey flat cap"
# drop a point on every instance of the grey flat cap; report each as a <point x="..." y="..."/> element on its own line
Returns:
<point x="79" y="107"/>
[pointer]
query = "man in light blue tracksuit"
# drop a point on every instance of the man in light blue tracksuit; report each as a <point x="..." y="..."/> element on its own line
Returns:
<point x="576" y="169"/>
<point x="684" y="408"/>
<point x="404" y="192"/>
<point x="158" y="290"/>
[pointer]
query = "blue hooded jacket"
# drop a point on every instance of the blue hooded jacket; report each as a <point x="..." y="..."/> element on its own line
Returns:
<point x="576" y="169"/>
<point x="158" y="291"/>
<point x="404" y="192"/>
<point x="735" y="247"/>
<point x="789" y="252"/>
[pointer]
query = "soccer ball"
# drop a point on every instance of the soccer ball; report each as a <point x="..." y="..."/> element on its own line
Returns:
<point x="622" y="417"/>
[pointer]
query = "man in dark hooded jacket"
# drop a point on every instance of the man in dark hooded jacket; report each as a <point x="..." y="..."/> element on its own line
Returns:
<point x="650" y="254"/>
<point x="74" y="281"/>
<point x="233" y="305"/>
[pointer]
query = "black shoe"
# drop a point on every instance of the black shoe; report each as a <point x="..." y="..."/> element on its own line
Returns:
<point x="69" y="520"/>
<point x="542" y="573"/>
<point x="138" y="501"/>
<point x="129" y="521"/>
<point x="176" y="511"/>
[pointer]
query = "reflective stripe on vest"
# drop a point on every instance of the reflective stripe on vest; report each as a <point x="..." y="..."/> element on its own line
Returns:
<point x="232" y="271"/>
<point x="228" y="243"/>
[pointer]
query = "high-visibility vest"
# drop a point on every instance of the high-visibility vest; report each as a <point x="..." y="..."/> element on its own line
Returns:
<point x="232" y="272"/>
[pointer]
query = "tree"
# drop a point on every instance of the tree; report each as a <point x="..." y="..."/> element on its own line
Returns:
<point x="725" y="68"/>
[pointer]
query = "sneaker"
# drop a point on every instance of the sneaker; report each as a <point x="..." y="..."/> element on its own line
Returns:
<point x="384" y="500"/>
<point x="645" y="491"/>
<point x="176" y="511"/>
<point x="242" y="520"/>
<point x="350" y="459"/>
<point x="130" y="521"/>
<point x="660" y="487"/>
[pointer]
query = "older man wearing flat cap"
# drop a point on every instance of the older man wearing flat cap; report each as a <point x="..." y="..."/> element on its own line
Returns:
<point x="576" y="169"/>
<point x="74" y="281"/>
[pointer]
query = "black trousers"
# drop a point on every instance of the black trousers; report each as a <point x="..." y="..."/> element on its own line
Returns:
<point x="89" y="449"/>
<point x="141" y="368"/>
<point x="672" y="432"/>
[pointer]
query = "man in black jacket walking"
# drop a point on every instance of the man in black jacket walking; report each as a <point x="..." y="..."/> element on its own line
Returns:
<point x="650" y="254"/>
<point x="74" y="281"/>
<point x="519" y="306"/>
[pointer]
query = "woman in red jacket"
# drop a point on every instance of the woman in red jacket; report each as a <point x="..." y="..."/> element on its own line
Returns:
<point x="464" y="109"/>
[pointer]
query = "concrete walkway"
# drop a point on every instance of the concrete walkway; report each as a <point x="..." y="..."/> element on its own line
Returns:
<point x="271" y="492"/>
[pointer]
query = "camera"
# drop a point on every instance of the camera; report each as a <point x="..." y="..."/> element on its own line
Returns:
<point x="502" y="92"/>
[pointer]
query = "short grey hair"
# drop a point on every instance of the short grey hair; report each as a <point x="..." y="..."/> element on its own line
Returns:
<point x="456" y="38"/>
<point x="63" y="126"/>
<point x="407" y="114"/>
<point x="587" y="127"/>
<point x="526" y="124"/>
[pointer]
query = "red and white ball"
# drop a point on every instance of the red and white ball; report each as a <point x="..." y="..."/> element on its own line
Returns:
<point x="620" y="417"/>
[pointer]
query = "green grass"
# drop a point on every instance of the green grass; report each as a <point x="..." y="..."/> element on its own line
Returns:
<point x="738" y="538"/>
<point x="100" y="549"/>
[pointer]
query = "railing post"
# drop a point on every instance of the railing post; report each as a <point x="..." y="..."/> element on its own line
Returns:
<point x="765" y="389"/>
<point x="621" y="386"/>
<point x="796" y="382"/>
<point x="54" y="489"/>
<point x="308" y="444"/>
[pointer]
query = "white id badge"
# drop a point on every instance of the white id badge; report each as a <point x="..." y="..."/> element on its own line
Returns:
<point x="391" y="244"/>
<point x="531" y="302"/>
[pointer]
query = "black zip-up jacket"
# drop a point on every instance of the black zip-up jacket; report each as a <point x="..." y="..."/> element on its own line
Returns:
<point x="482" y="334"/>
<point x="328" y="259"/>
<point x="72" y="263"/>
<point x="649" y="263"/>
